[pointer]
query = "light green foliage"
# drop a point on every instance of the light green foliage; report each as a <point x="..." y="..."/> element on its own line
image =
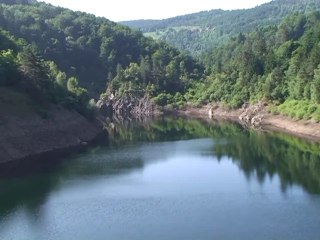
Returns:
<point x="300" y="109"/>
<point x="61" y="79"/>
<point x="73" y="86"/>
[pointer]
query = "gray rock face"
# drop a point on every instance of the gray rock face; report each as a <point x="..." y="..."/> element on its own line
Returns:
<point x="23" y="137"/>
<point x="130" y="105"/>
<point x="252" y="115"/>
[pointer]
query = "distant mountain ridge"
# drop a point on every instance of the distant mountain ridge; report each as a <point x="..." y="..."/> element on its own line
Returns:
<point x="199" y="32"/>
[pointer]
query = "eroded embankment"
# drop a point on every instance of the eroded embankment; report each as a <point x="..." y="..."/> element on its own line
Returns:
<point x="27" y="136"/>
<point x="302" y="128"/>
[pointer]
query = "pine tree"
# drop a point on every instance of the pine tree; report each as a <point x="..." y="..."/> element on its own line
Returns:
<point x="315" y="88"/>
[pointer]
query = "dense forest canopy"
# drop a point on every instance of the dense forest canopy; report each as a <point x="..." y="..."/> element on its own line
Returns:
<point x="68" y="57"/>
<point x="199" y="32"/>
<point x="23" y="70"/>
<point x="96" y="50"/>
<point x="278" y="64"/>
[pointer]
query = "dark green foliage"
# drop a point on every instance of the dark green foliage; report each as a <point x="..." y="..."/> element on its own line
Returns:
<point x="266" y="65"/>
<point x="17" y="1"/>
<point x="90" y="48"/>
<point x="315" y="86"/>
<point x="7" y="41"/>
<point x="162" y="99"/>
<point x="166" y="71"/>
<point x="33" y="69"/>
<point x="23" y="69"/>
<point x="9" y="67"/>
<point x="258" y="154"/>
<point x="277" y="63"/>
<point x="199" y="32"/>
<point x="9" y="74"/>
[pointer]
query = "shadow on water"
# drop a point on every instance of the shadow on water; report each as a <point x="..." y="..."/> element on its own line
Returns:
<point x="32" y="192"/>
<point x="159" y="130"/>
<point x="258" y="154"/>
<point x="28" y="184"/>
<point x="29" y="194"/>
<point x="46" y="162"/>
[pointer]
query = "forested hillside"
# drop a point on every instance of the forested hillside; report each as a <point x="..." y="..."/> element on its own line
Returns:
<point x="278" y="64"/>
<point x="67" y="57"/>
<point x="199" y="32"/>
<point x="96" y="50"/>
<point x="27" y="80"/>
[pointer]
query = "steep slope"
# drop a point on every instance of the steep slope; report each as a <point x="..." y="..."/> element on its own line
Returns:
<point x="88" y="47"/>
<point x="199" y="32"/>
<point x="39" y="115"/>
<point x="27" y="135"/>
<point x="276" y="64"/>
<point x="44" y="50"/>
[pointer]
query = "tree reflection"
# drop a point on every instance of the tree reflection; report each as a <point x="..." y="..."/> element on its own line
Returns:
<point x="294" y="160"/>
<point x="258" y="154"/>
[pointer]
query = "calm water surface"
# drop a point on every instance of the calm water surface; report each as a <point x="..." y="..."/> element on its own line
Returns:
<point x="171" y="179"/>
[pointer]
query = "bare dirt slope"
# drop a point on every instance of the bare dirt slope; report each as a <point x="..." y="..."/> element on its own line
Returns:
<point x="301" y="128"/>
<point x="33" y="135"/>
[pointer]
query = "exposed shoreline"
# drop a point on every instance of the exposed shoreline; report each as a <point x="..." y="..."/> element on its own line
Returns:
<point x="29" y="138"/>
<point x="301" y="128"/>
<point x="36" y="139"/>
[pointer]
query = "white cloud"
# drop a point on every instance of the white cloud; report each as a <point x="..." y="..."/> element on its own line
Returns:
<point x="147" y="9"/>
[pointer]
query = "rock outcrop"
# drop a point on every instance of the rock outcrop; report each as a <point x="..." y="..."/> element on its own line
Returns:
<point x="129" y="105"/>
<point x="252" y="115"/>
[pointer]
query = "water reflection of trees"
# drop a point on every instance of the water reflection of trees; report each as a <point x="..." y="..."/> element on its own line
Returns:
<point x="163" y="129"/>
<point x="295" y="161"/>
<point x="31" y="192"/>
<point x="258" y="154"/>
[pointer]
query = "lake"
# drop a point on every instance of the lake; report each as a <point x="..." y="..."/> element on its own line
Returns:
<point x="171" y="178"/>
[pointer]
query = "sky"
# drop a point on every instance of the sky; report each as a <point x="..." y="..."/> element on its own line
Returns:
<point x="120" y="10"/>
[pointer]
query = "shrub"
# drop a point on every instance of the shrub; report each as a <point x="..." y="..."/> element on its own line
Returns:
<point x="302" y="109"/>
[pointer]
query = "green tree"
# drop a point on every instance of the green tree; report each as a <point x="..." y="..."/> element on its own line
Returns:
<point x="9" y="74"/>
<point x="61" y="79"/>
<point x="73" y="87"/>
<point x="145" y="70"/>
<point x="315" y="87"/>
<point x="34" y="70"/>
